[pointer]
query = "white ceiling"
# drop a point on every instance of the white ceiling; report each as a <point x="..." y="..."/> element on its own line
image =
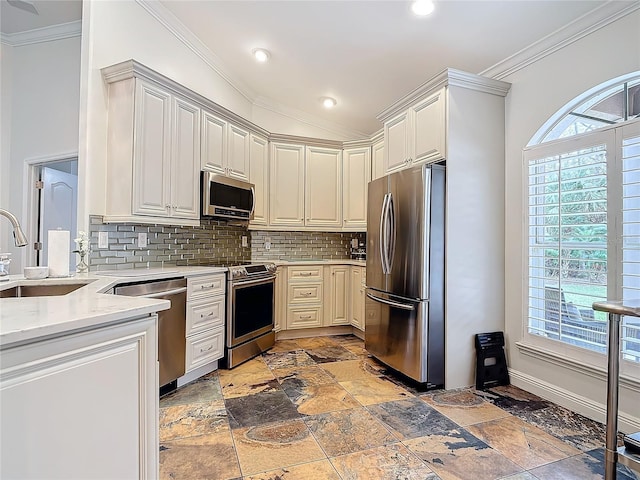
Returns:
<point x="366" y="54"/>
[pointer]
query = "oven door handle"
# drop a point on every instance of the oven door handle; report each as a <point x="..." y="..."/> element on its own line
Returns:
<point x="248" y="283"/>
<point x="164" y="294"/>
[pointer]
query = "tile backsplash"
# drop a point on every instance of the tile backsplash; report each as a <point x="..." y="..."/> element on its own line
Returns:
<point x="303" y="245"/>
<point x="212" y="242"/>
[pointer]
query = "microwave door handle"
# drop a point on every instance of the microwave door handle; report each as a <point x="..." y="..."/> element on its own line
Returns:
<point x="253" y="202"/>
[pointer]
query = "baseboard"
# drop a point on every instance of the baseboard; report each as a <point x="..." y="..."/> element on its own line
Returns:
<point x="576" y="403"/>
<point x="197" y="373"/>
<point x="314" y="332"/>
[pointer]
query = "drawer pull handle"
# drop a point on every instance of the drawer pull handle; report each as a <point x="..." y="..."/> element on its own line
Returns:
<point x="210" y="314"/>
<point x="305" y="274"/>
<point x="202" y="350"/>
<point x="305" y="294"/>
<point x="305" y="317"/>
<point x="204" y="287"/>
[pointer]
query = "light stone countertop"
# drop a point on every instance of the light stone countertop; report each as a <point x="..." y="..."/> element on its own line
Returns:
<point x="29" y="319"/>
<point x="347" y="261"/>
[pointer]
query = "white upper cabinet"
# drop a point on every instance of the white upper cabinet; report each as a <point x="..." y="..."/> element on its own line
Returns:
<point x="428" y="132"/>
<point x="214" y="143"/>
<point x="286" y="185"/>
<point x="416" y="135"/>
<point x="225" y="147"/>
<point x="238" y="153"/>
<point x="377" y="159"/>
<point x="259" y="176"/>
<point x="185" y="160"/>
<point x="356" y="174"/>
<point x="323" y="187"/>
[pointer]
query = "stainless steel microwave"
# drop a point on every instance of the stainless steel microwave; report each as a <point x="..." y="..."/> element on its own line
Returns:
<point x="227" y="198"/>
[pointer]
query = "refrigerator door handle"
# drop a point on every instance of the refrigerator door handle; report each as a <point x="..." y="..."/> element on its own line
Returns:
<point x="403" y="306"/>
<point x="391" y="247"/>
<point x="383" y="236"/>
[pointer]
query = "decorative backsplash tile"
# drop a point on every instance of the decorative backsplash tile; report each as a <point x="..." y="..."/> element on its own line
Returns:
<point x="303" y="245"/>
<point x="212" y="242"/>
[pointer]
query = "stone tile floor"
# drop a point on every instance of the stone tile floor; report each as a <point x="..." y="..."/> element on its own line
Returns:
<point x="321" y="408"/>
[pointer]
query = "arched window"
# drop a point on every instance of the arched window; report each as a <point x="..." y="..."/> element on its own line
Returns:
<point x="612" y="102"/>
<point x="584" y="221"/>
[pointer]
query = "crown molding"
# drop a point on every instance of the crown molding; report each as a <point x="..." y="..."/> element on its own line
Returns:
<point x="308" y="141"/>
<point x="570" y="33"/>
<point x="305" y="118"/>
<point x="377" y="136"/>
<point x="42" y="35"/>
<point x="169" y="21"/>
<point x="447" y="77"/>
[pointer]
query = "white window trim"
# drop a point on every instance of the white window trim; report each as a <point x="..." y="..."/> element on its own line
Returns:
<point x="553" y="350"/>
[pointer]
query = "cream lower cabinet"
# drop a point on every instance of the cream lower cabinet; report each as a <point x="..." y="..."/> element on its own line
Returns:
<point x="338" y="295"/>
<point x="305" y="299"/>
<point x="206" y="313"/>
<point x="358" y="278"/>
<point x="280" y="294"/>
<point x="72" y="405"/>
<point x="153" y="155"/>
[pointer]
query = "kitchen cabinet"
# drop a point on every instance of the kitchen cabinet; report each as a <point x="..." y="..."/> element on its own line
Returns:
<point x="416" y="135"/>
<point x="356" y="168"/>
<point x="305" y="286"/>
<point x="339" y="296"/>
<point x="286" y="185"/>
<point x="259" y="176"/>
<point x="377" y="159"/>
<point x="71" y="405"/>
<point x="153" y="154"/>
<point x="323" y="187"/>
<point x="206" y="313"/>
<point x="358" y="278"/>
<point x="225" y="147"/>
<point x="280" y="295"/>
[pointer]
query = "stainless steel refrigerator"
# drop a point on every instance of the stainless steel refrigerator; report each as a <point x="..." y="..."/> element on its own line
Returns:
<point x="404" y="309"/>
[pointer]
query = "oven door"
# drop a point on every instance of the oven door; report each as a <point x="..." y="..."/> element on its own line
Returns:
<point x="250" y="310"/>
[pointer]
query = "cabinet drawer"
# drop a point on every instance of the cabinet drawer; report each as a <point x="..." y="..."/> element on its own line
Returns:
<point x="312" y="272"/>
<point x="305" y="293"/>
<point x="204" y="348"/>
<point x="205" y="287"/>
<point x="205" y="314"/>
<point x="304" y="317"/>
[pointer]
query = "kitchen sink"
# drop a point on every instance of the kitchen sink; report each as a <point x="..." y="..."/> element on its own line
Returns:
<point x="40" y="290"/>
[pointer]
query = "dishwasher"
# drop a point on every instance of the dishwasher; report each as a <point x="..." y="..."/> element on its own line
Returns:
<point x="171" y="323"/>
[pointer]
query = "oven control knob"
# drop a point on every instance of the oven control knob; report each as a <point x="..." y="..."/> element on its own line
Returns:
<point x="237" y="273"/>
<point x="271" y="268"/>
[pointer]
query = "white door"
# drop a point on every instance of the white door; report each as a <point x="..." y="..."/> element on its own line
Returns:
<point x="428" y="131"/>
<point x="356" y="173"/>
<point x="396" y="131"/>
<point x="238" y="153"/>
<point x="59" y="209"/>
<point x="214" y="143"/>
<point x="323" y="187"/>
<point x="185" y="160"/>
<point x="258" y="168"/>
<point x="286" y="185"/>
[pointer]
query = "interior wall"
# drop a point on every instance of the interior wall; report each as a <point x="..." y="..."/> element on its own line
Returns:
<point x="6" y="58"/>
<point x="43" y="84"/>
<point x="537" y="92"/>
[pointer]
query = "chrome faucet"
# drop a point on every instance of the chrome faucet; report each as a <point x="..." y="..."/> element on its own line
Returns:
<point x="18" y="235"/>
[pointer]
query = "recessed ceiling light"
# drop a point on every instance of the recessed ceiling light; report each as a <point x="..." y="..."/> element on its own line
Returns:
<point x="260" y="54"/>
<point x="329" y="102"/>
<point x="422" y="7"/>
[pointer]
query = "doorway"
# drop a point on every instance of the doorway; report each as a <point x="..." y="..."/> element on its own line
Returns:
<point x="55" y="198"/>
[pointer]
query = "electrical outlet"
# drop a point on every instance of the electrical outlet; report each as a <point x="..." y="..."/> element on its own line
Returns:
<point x="267" y="243"/>
<point x="245" y="242"/>
<point x="103" y="239"/>
<point x="142" y="240"/>
<point x="354" y="243"/>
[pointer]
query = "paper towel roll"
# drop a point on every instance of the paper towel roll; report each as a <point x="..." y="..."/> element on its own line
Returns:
<point x="58" y="248"/>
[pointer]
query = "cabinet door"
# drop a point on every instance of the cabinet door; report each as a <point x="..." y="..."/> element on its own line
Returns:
<point x="214" y="143"/>
<point x="185" y="160"/>
<point x="357" y="298"/>
<point x="356" y="173"/>
<point x="238" y="153"/>
<point x="286" y="185"/>
<point x="323" y="187"/>
<point x="428" y="129"/>
<point x="396" y="154"/>
<point x="339" y="296"/>
<point x="152" y="151"/>
<point x="377" y="163"/>
<point x="258" y="169"/>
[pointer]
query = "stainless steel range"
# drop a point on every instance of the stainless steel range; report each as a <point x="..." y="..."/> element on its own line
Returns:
<point x="250" y="312"/>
